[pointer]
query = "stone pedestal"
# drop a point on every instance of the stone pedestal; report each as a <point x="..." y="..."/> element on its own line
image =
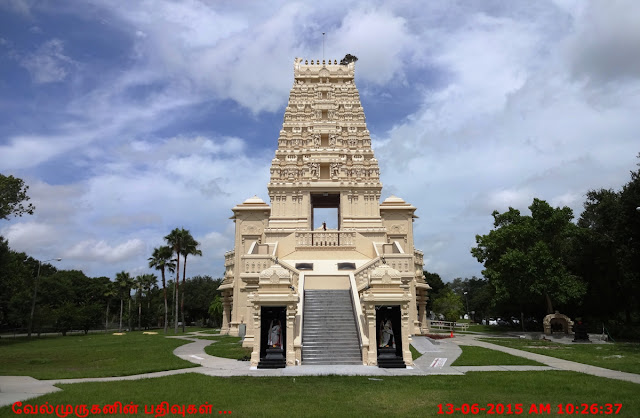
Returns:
<point x="388" y="359"/>
<point x="274" y="359"/>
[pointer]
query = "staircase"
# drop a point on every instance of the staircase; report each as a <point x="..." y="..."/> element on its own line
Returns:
<point x="330" y="335"/>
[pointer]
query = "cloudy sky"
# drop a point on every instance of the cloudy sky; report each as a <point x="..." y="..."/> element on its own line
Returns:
<point x="128" y="119"/>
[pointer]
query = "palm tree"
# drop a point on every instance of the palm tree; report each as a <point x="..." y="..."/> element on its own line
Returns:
<point x="215" y="310"/>
<point x="123" y="285"/>
<point x="148" y="282"/>
<point x="137" y="285"/>
<point x="190" y="246"/>
<point x="161" y="260"/>
<point x="176" y="240"/>
<point x="110" y="291"/>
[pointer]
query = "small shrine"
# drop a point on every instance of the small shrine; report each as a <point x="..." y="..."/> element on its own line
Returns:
<point x="558" y="323"/>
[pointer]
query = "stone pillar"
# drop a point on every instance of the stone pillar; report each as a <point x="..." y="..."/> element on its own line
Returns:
<point x="373" y="335"/>
<point x="422" y="312"/>
<point x="291" y="332"/>
<point x="255" y="354"/>
<point x="406" y="340"/>
<point x="226" y="313"/>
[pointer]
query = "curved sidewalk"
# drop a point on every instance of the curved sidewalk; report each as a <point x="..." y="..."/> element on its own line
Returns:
<point x="552" y="362"/>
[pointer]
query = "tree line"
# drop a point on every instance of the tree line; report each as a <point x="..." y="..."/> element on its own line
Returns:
<point x="536" y="264"/>
<point x="69" y="300"/>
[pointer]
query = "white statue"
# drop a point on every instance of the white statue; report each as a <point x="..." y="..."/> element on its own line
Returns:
<point x="275" y="334"/>
<point x="313" y="168"/>
<point x="386" y="330"/>
<point x="335" y="170"/>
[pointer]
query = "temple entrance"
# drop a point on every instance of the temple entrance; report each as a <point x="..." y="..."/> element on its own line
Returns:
<point x="325" y="208"/>
<point x="273" y="337"/>
<point x="388" y="326"/>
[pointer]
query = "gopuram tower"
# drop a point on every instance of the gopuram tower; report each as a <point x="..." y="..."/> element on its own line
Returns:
<point x="303" y="288"/>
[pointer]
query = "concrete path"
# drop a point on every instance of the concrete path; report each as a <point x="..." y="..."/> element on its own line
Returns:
<point x="556" y="363"/>
<point x="437" y="357"/>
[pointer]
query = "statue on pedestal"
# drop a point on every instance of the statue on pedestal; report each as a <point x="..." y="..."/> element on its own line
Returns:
<point x="386" y="331"/>
<point x="275" y="334"/>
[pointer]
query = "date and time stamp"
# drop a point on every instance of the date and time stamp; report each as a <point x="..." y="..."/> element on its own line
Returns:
<point x="530" y="409"/>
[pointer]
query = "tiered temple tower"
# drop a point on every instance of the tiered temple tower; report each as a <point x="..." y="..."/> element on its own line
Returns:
<point x="285" y="257"/>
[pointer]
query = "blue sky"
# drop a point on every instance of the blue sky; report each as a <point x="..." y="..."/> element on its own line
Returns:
<point x="128" y="119"/>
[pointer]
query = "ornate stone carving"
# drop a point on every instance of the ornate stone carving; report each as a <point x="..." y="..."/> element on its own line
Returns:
<point x="335" y="170"/>
<point x="314" y="169"/>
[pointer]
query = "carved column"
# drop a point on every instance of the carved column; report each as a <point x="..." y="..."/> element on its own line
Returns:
<point x="226" y="313"/>
<point x="291" y="333"/>
<point x="422" y="299"/>
<point x="406" y="340"/>
<point x="373" y="335"/>
<point x="255" y="354"/>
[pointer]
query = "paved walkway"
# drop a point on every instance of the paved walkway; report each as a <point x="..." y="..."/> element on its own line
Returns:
<point x="552" y="362"/>
<point x="437" y="357"/>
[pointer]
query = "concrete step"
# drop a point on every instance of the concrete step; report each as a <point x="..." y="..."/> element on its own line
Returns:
<point x="327" y="360"/>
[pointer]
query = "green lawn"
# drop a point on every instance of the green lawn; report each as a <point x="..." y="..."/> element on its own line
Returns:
<point x="479" y="356"/>
<point x="615" y="356"/>
<point x="414" y="353"/>
<point x="227" y="346"/>
<point x="490" y="329"/>
<point x="352" y="396"/>
<point x="92" y="355"/>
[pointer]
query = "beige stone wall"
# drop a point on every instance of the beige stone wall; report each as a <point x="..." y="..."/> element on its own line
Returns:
<point x="326" y="282"/>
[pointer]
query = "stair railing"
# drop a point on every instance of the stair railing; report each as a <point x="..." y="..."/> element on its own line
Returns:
<point x="357" y="312"/>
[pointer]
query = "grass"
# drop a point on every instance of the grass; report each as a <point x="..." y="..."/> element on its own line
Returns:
<point x="227" y="346"/>
<point x="479" y="356"/>
<point x="490" y="329"/>
<point x="414" y="353"/>
<point x="623" y="357"/>
<point x="206" y="330"/>
<point x="92" y="355"/>
<point x="357" y="396"/>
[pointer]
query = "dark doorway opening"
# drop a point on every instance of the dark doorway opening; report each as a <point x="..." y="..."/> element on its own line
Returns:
<point x="388" y="318"/>
<point x="270" y="316"/>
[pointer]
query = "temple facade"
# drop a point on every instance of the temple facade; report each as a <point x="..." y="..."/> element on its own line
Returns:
<point x="325" y="273"/>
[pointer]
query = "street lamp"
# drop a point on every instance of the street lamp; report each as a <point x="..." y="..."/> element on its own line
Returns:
<point x="35" y="294"/>
<point x="467" y="299"/>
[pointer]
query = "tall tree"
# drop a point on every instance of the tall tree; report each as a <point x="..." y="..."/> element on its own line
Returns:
<point x="110" y="291"/>
<point x="437" y="285"/>
<point x="124" y="283"/>
<point x="525" y="257"/>
<point x="190" y="247"/>
<point x="176" y="240"/>
<point x="137" y="285"/>
<point x="449" y="305"/>
<point x="13" y="192"/>
<point x="161" y="260"/>
<point x="608" y="252"/>
<point x="147" y="282"/>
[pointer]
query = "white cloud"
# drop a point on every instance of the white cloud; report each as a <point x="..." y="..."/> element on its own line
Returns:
<point x="513" y="101"/>
<point x="91" y="250"/>
<point x="30" y="236"/>
<point x="380" y="40"/>
<point x="605" y="44"/>
<point x="48" y="64"/>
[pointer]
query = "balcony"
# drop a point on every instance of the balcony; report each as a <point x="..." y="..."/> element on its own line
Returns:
<point x="325" y="239"/>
